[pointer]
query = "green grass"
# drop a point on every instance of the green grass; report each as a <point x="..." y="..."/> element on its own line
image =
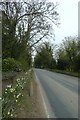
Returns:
<point x="25" y="106"/>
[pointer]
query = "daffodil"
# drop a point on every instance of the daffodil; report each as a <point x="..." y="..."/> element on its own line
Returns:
<point x="6" y="89"/>
<point x="8" y="113"/>
<point x="9" y="86"/>
<point x="18" y="79"/>
<point x="22" y="78"/>
<point x="11" y="115"/>
<point x="12" y="90"/>
<point x="5" y="92"/>
<point x="18" y="95"/>
<point x="16" y="100"/>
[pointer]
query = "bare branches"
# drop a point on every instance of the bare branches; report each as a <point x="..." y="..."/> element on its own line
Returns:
<point x="39" y="40"/>
<point x="36" y="16"/>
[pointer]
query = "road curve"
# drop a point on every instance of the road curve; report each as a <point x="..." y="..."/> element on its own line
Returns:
<point x="59" y="92"/>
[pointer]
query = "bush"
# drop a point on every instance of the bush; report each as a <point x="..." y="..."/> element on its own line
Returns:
<point x="10" y="64"/>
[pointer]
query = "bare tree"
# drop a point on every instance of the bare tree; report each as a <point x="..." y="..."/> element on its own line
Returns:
<point x="36" y="16"/>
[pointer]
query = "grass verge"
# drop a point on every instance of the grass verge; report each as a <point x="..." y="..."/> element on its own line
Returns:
<point x="75" y="74"/>
<point x="13" y="96"/>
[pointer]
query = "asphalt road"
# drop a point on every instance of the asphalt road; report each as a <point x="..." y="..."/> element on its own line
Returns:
<point x="59" y="93"/>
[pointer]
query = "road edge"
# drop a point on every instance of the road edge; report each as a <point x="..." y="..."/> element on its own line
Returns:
<point x="43" y="101"/>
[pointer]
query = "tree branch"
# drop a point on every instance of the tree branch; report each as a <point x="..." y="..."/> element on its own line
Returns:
<point x="39" y="40"/>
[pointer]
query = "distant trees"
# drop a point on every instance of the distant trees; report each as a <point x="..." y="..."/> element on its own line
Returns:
<point x="68" y="54"/>
<point x="62" y="60"/>
<point x="44" y="57"/>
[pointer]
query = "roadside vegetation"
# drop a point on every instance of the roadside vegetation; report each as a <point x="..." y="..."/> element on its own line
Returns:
<point x="13" y="96"/>
<point x="24" y="25"/>
<point x="19" y="100"/>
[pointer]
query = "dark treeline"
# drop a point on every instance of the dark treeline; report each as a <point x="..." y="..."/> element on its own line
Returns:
<point x="44" y="57"/>
<point x="67" y="56"/>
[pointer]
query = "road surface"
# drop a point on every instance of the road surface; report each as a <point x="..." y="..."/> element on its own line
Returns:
<point x="59" y="94"/>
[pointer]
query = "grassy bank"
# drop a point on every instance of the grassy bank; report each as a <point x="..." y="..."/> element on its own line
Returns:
<point x="75" y="74"/>
<point x="16" y="96"/>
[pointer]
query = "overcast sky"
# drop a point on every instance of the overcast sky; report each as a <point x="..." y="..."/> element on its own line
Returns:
<point x="68" y="11"/>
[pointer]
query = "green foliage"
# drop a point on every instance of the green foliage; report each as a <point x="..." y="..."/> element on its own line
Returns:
<point x="8" y="35"/>
<point x="44" y="57"/>
<point x="14" y="45"/>
<point x="26" y="60"/>
<point x="10" y="64"/>
<point x="68" y="55"/>
<point x="62" y="61"/>
<point x="62" y="64"/>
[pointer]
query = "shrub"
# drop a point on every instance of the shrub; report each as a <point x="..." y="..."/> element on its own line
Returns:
<point x="10" y="64"/>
